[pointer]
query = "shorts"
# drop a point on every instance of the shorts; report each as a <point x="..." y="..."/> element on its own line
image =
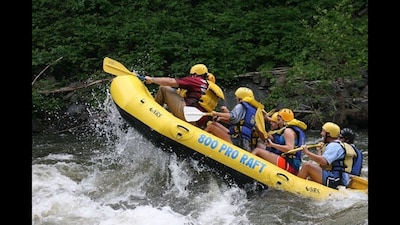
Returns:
<point x="331" y="178"/>
<point x="282" y="163"/>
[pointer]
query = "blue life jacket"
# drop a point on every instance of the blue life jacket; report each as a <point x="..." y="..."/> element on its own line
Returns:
<point x="245" y="126"/>
<point x="338" y="164"/>
<point x="293" y="159"/>
<point x="351" y="161"/>
<point x="276" y="139"/>
<point x="357" y="161"/>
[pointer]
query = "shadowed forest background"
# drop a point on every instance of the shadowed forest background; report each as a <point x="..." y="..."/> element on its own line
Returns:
<point x="311" y="56"/>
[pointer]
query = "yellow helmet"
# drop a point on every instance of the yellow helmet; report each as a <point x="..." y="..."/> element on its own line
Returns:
<point x="243" y="92"/>
<point x="211" y="77"/>
<point x="286" y="114"/>
<point x="198" y="69"/>
<point x="274" y="117"/>
<point x="331" y="128"/>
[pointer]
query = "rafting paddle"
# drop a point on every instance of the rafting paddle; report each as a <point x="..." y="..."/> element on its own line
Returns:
<point x="359" y="183"/>
<point x="301" y="148"/>
<point x="116" y="68"/>
<point x="193" y="114"/>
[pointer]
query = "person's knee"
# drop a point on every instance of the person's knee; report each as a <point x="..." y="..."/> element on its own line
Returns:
<point x="255" y="151"/>
<point x="307" y="165"/>
<point x="304" y="170"/>
<point x="260" y="145"/>
<point x="210" y="127"/>
<point x="163" y="89"/>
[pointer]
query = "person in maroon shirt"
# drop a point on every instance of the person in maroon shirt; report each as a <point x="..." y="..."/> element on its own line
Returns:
<point x="195" y="84"/>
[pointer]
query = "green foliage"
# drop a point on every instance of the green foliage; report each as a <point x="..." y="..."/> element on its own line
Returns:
<point x="335" y="48"/>
<point x="319" y="40"/>
<point x="41" y="103"/>
<point x="337" y="45"/>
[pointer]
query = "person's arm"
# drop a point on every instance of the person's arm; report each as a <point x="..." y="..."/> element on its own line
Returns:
<point x="163" y="81"/>
<point x="289" y="135"/>
<point x="224" y="109"/>
<point x="221" y="116"/>
<point x="315" y="157"/>
<point x="270" y="137"/>
<point x="266" y="117"/>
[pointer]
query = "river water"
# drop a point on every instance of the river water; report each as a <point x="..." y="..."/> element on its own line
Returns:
<point x="116" y="177"/>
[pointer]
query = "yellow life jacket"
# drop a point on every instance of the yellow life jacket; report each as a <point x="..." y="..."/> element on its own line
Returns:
<point x="259" y="116"/>
<point x="181" y="92"/>
<point x="209" y="100"/>
<point x="350" y="154"/>
<point x="293" y="122"/>
<point x="297" y="123"/>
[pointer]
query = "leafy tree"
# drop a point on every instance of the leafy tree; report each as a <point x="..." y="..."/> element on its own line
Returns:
<point x="321" y="40"/>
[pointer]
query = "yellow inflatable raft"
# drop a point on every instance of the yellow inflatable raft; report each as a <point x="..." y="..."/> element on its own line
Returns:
<point x="137" y="106"/>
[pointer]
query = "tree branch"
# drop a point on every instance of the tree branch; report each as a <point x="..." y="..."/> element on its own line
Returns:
<point x="64" y="89"/>
<point x="41" y="72"/>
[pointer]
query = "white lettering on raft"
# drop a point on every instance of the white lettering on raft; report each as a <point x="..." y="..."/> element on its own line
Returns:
<point x="246" y="158"/>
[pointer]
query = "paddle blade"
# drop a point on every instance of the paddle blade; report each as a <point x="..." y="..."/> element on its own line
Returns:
<point x="358" y="183"/>
<point x="116" y="68"/>
<point x="260" y="123"/>
<point x="193" y="114"/>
